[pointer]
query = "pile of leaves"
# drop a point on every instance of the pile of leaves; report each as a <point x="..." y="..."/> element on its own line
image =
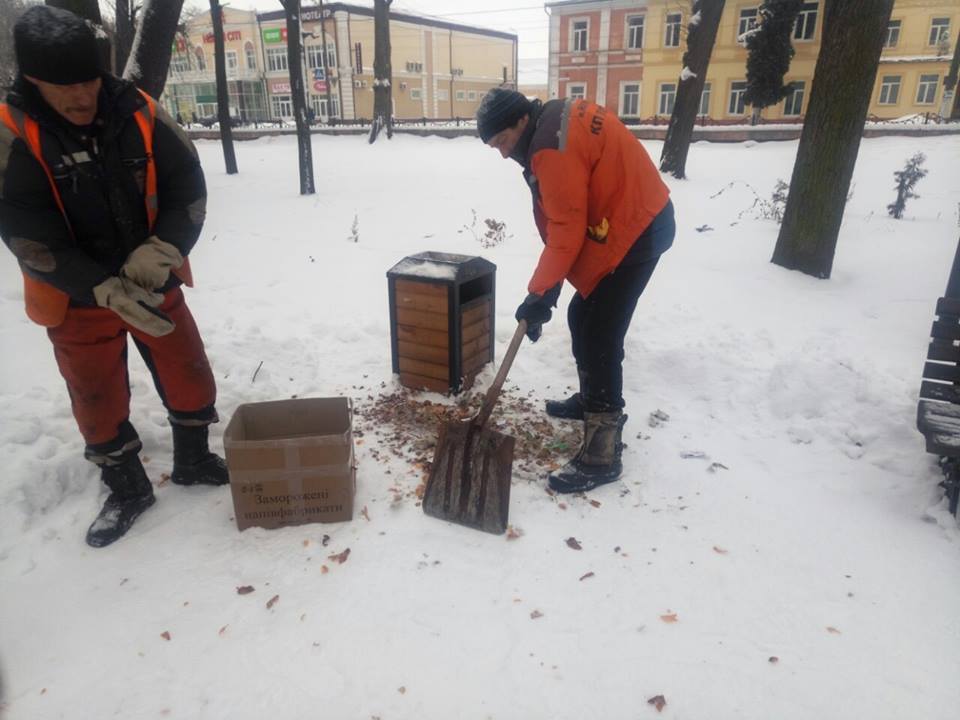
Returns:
<point x="406" y="426"/>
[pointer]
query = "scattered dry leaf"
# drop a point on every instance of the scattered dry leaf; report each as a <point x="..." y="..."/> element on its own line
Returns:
<point x="43" y="691"/>
<point x="513" y="533"/>
<point x="833" y="630"/>
<point x="365" y="514"/>
<point x="588" y="575"/>
<point x="244" y="589"/>
<point x="773" y="659"/>
<point x="324" y="569"/>
<point x="223" y="630"/>
<point x="164" y="479"/>
<point x="562" y="506"/>
<point x="573" y="544"/>
<point x="325" y="541"/>
<point x="536" y="614"/>
<point x="306" y="542"/>
<point x="719" y="550"/>
<point x="658" y="701"/>
<point x="165" y="635"/>
<point x="596" y="503"/>
<point x="402" y="690"/>
<point x="272" y="601"/>
<point x="669" y="618"/>
<point x="340" y="557"/>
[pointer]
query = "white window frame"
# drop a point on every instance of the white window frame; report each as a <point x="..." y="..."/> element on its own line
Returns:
<point x="935" y="23"/>
<point x="730" y="98"/>
<point x="319" y="105"/>
<point x="790" y="101"/>
<point x="893" y="33"/>
<point x="205" y="110"/>
<point x="443" y="94"/>
<point x="250" y="52"/>
<point x="628" y="34"/>
<point x="925" y="83"/>
<point x="331" y="54"/>
<point x="623" y="98"/>
<point x="574" y="32"/>
<point x="582" y="86"/>
<point x="314" y="56"/>
<point x="461" y="95"/>
<point x="279" y="103"/>
<point x="664" y="94"/>
<point x="200" y="58"/>
<point x="886" y="83"/>
<point x="416" y="93"/>
<point x="806" y="17"/>
<point x="668" y="26"/>
<point x="746" y="23"/>
<point x="471" y="95"/>
<point x="277" y="59"/>
<point x="180" y="62"/>
<point x="705" y="98"/>
<point x="231" y="60"/>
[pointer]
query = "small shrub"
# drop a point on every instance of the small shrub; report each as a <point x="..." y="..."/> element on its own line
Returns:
<point x="906" y="180"/>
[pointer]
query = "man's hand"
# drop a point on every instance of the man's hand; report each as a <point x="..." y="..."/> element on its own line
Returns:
<point x="134" y="305"/>
<point x="150" y="264"/>
<point x="536" y="311"/>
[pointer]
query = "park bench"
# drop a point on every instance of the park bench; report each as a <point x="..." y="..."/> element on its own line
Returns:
<point x="938" y="413"/>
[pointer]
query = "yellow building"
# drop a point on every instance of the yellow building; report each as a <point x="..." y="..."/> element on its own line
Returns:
<point x="627" y="56"/>
<point x="440" y="69"/>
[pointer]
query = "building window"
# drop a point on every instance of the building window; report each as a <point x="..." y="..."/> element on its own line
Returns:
<point x="748" y="21"/>
<point x="461" y="95"/>
<point x="416" y="94"/>
<point x="314" y="56"/>
<point x="319" y="105"/>
<point x="939" y="31"/>
<point x="893" y="34"/>
<point x="180" y="62"/>
<point x="671" y="37"/>
<point x="705" y="101"/>
<point x="736" y="105"/>
<point x="331" y="54"/>
<point x="282" y="106"/>
<point x="201" y="60"/>
<point x="806" y="23"/>
<point x="442" y="94"/>
<point x="668" y="96"/>
<point x="472" y="95"/>
<point x="634" y="32"/>
<point x="277" y="59"/>
<point x="251" y="56"/>
<point x="414" y="67"/>
<point x="793" y="105"/>
<point x="577" y="91"/>
<point x="630" y="100"/>
<point x="580" y="32"/>
<point x="927" y="89"/>
<point x="232" y="63"/>
<point x="889" y="90"/>
<point x="206" y="110"/>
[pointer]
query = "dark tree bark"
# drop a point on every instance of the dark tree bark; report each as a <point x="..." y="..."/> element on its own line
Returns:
<point x="9" y="13"/>
<point x="88" y="10"/>
<point x="950" y="82"/>
<point x="124" y="41"/>
<point x="223" y="95"/>
<point x="382" y="72"/>
<point x="294" y="54"/>
<point x="842" y="85"/>
<point x="770" y="51"/>
<point x="150" y="55"/>
<point x="696" y="60"/>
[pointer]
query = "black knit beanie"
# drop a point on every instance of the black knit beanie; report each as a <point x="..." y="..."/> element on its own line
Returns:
<point x="501" y="109"/>
<point x="56" y="46"/>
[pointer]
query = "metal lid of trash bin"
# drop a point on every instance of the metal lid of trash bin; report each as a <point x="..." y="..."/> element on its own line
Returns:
<point x="446" y="267"/>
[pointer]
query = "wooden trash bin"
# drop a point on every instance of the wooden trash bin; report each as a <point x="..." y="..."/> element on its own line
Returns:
<point x="441" y="319"/>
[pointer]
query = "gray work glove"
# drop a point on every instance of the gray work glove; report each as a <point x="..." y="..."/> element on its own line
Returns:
<point x="134" y="305"/>
<point x="150" y="264"/>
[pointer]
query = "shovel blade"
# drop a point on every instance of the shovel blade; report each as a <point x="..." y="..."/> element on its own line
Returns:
<point x="469" y="482"/>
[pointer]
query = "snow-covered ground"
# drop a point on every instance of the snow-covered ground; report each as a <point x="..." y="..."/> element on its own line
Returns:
<point x="815" y="575"/>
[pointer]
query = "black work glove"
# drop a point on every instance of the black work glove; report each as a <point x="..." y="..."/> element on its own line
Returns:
<point x="535" y="309"/>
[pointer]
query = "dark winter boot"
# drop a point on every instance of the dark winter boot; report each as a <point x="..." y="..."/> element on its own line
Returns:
<point x="130" y="494"/>
<point x="598" y="461"/>
<point x="571" y="408"/>
<point x="193" y="463"/>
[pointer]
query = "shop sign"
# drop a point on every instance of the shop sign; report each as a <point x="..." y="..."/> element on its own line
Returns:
<point x="320" y="86"/>
<point x="275" y="35"/>
<point x="280" y="87"/>
<point x="230" y="36"/>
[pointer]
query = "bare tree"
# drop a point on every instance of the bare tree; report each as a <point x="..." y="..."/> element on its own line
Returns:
<point x="149" y="59"/>
<point x="382" y="71"/>
<point x="223" y="94"/>
<point x="853" y="33"/>
<point x="294" y="54"/>
<point x="701" y="35"/>
<point x="124" y="20"/>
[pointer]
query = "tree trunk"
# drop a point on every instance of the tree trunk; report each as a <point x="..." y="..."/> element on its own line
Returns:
<point x="700" y="39"/>
<point x="295" y="63"/>
<point x="152" y="45"/>
<point x="88" y="10"/>
<point x="950" y="83"/>
<point x="382" y="72"/>
<point x="223" y="95"/>
<point x="124" y="22"/>
<point x="853" y="32"/>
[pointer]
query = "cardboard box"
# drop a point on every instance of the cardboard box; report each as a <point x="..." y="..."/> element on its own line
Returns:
<point x="291" y="462"/>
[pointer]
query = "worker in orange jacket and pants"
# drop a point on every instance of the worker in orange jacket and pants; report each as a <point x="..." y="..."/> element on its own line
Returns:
<point x="605" y="217"/>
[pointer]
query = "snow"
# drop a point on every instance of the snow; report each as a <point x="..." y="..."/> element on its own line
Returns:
<point x="777" y="500"/>
<point x="686" y="74"/>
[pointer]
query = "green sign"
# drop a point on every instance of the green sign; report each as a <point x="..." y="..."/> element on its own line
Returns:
<point x="273" y="35"/>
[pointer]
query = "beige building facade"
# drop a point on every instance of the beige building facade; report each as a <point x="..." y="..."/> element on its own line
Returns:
<point x="628" y="56"/>
<point x="440" y="70"/>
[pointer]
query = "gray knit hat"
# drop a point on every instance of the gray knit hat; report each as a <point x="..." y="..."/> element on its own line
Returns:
<point x="501" y="109"/>
<point x="56" y="46"/>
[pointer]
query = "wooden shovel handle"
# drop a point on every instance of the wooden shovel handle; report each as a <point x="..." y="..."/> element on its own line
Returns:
<point x="493" y="392"/>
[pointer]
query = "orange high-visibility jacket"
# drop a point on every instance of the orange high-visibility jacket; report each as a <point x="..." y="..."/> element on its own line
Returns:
<point x="596" y="190"/>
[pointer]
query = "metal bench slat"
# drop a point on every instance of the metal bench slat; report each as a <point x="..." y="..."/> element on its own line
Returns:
<point x="939" y="391"/>
<point x="948" y="306"/>
<point x="943" y="351"/>
<point x="941" y="371"/>
<point x="945" y="330"/>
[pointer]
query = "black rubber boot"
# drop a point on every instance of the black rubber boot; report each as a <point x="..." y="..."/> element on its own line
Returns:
<point x="193" y="463"/>
<point x="599" y="460"/>
<point x="572" y="407"/>
<point x="130" y="494"/>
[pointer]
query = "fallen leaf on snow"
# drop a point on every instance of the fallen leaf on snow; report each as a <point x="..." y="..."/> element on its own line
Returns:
<point x="223" y="630"/>
<point x="324" y="569"/>
<point x="513" y="533"/>
<point x="584" y="577"/>
<point x="562" y="506"/>
<point x="658" y="701"/>
<point x="596" y="503"/>
<point x="536" y="614"/>
<point x="43" y="692"/>
<point x="669" y="618"/>
<point x="402" y="690"/>
<point x="306" y="543"/>
<point x="719" y="550"/>
<point x="165" y="635"/>
<point x="325" y="541"/>
<point x="340" y="557"/>
<point x="573" y="544"/>
<point x="365" y="514"/>
<point x="833" y="630"/>
<point x="774" y="659"/>
<point x="244" y="589"/>
<point x="272" y="601"/>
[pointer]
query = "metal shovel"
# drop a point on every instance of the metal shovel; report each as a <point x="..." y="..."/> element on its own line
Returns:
<point x="469" y="482"/>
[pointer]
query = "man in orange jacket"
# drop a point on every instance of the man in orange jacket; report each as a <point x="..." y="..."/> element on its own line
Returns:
<point x="101" y="199"/>
<point x="605" y="217"/>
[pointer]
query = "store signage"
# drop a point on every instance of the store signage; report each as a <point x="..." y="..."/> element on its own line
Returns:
<point x="232" y="35"/>
<point x="280" y="87"/>
<point x="315" y="14"/>
<point x="320" y="86"/>
<point x="274" y="35"/>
